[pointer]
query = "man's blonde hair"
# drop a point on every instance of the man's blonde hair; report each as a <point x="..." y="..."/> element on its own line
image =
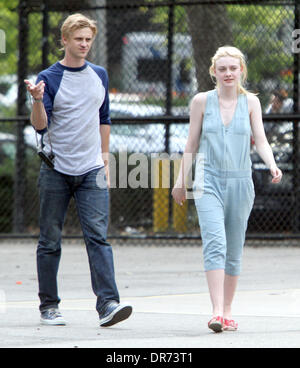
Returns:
<point x="75" y="22"/>
<point x="236" y="53"/>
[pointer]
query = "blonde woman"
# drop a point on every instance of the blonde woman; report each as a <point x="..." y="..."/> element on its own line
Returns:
<point x="221" y="122"/>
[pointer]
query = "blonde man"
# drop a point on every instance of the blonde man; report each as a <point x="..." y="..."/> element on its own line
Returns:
<point x="71" y="112"/>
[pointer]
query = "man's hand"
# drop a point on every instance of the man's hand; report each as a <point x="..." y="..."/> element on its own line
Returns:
<point x="36" y="91"/>
<point x="38" y="115"/>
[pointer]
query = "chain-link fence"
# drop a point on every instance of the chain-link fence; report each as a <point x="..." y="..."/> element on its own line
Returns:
<point x="157" y="54"/>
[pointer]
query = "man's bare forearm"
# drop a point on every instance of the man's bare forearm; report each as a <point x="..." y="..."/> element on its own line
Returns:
<point x="38" y="116"/>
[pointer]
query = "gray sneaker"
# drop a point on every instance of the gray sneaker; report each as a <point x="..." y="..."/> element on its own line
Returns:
<point x="114" y="313"/>
<point x="52" y="317"/>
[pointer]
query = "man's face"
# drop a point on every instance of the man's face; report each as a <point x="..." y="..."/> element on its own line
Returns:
<point x="79" y="43"/>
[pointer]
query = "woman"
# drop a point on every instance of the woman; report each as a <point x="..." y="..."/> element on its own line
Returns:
<point x="221" y="121"/>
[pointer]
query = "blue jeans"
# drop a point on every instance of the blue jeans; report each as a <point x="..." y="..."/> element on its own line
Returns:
<point x="92" y="202"/>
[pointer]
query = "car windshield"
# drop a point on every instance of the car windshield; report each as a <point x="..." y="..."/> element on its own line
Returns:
<point x="9" y="149"/>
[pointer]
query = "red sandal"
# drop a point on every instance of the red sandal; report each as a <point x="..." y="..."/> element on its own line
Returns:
<point x="229" y="325"/>
<point x="216" y="324"/>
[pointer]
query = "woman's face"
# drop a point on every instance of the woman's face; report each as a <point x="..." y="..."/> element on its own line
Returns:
<point x="228" y="71"/>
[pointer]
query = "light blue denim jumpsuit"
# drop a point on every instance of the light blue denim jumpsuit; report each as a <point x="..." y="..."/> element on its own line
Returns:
<point x="227" y="187"/>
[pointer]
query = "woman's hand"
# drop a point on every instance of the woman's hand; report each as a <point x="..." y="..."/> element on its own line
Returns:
<point x="106" y="167"/>
<point x="179" y="195"/>
<point x="276" y="174"/>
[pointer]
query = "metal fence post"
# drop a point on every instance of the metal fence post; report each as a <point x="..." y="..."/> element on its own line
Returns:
<point x="20" y="171"/>
<point x="169" y="76"/>
<point x="296" y="185"/>
<point x="45" y="45"/>
<point x="169" y="80"/>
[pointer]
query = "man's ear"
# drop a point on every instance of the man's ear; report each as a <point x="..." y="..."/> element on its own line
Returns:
<point x="64" y="40"/>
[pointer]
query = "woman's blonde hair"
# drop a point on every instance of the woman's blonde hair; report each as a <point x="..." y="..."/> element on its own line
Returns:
<point x="75" y="22"/>
<point x="233" y="52"/>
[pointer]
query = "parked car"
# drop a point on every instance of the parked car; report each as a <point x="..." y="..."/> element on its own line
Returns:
<point x="144" y="138"/>
<point x="8" y="150"/>
<point x="145" y="63"/>
<point x="8" y="141"/>
<point x="274" y="207"/>
<point x="8" y="90"/>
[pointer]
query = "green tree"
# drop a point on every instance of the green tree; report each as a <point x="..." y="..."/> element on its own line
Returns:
<point x="263" y="33"/>
<point x="9" y="24"/>
<point x="202" y="23"/>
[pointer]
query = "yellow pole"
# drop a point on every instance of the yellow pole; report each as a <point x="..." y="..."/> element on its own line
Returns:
<point x="161" y="173"/>
<point x="179" y="213"/>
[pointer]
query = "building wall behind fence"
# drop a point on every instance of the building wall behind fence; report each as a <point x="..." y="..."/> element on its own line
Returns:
<point x="157" y="55"/>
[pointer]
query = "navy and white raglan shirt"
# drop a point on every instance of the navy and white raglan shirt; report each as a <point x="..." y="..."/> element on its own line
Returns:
<point x="76" y="101"/>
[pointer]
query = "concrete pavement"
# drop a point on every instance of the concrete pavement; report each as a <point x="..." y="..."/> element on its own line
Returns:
<point x="167" y="288"/>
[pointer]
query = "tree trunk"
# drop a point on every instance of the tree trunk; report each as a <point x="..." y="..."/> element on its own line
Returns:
<point x="210" y="28"/>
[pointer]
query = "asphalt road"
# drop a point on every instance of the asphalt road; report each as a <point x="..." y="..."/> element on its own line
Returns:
<point x="167" y="288"/>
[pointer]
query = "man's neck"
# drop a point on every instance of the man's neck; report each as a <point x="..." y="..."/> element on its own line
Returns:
<point x="72" y="62"/>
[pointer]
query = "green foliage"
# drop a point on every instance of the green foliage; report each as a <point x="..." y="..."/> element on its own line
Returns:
<point x="161" y="16"/>
<point x="257" y="36"/>
<point x="255" y="31"/>
<point x="9" y="24"/>
<point x="7" y="112"/>
<point x="261" y="32"/>
<point x="36" y="40"/>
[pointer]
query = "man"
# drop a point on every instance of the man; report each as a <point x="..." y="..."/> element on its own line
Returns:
<point x="280" y="103"/>
<point x="70" y="99"/>
<point x="279" y="132"/>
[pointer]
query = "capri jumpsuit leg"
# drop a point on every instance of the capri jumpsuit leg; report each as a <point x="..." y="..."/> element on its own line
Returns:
<point x="223" y="213"/>
<point x="211" y="215"/>
<point x="238" y="205"/>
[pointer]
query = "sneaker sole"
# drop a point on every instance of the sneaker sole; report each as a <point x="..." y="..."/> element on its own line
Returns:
<point x="119" y="314"/>
<point x="59" y="322"/>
